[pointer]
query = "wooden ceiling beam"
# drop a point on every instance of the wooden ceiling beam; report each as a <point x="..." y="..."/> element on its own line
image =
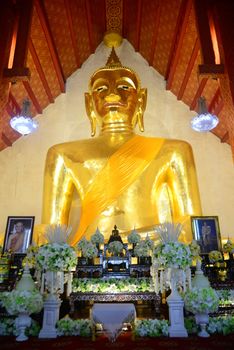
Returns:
<point x="32" y="97"/>
<point x="181" y="25"/>
<point x="50" y="42"/>
<point x="6" y="140"/>
<point x="155" y="35"/>
<point x="23" y="17"/>
<point x="138" y="25"/>
<point x="189" y="69"/>
<point x="215" y="101"/>
<point x="72" y="33"/>
<point x="40" y="71"/>
<point x="225" y="137"/>
<point x="13" y="104"/>
<point x="198" y="93"/>
<point x="89" y="25"/>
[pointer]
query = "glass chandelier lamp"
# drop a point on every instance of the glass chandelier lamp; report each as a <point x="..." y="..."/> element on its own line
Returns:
<point x="22" y="122"/>
<point x="204" y="121"/>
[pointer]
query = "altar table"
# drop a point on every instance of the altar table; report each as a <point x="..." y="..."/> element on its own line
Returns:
<point x="112" y="316"/>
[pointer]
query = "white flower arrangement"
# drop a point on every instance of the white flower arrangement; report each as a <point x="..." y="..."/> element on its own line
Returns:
<point x="228" y="247"/>
<point x="68" y="327"/>
<point x="222" y="325"/>
<point x="195" y="249"/>
<point x="134" y="237"/>
<point x="142" y="249"/>
<point x="201" y="300"/>
<point x="18" y="301"/>
<point x="168" y="232"/>
<point x="115" y="247"/>
<point x="56" y="257"/>
<point x="89" y="250"/>
<point x="82" y="243"/>
<point x="215" y="255"/>
<point x="57" y="233"/>
<point x="173" y="254"/>
<point x="30" y="258"/>
<point x="151" y="328"/>
<point x="8" y="327"/>
<point x="112" y="285"/>
<point x="97" y="237"/>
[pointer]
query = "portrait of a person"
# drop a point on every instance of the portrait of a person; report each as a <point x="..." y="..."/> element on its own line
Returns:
<point x="18" y="238"/>
<point x="207" y="234"/>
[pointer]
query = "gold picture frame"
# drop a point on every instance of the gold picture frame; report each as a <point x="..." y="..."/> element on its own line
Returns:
<point x="206" y="232"/>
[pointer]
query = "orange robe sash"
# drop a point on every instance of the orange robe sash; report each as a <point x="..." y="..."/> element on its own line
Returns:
<point x="121" y="170"/>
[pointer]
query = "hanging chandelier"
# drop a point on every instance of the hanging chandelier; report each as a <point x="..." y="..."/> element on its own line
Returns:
<point x="204" y="121"/>
<point x="22" y="122"/>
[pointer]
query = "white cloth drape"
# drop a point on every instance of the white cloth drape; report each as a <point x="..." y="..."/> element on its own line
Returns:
<point x="112" y="316"/>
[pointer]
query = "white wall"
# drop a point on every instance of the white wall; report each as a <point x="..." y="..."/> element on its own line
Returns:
<point x="22" y="165"/>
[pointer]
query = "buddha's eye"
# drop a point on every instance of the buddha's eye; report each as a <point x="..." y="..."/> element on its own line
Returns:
<point x="101" y="88"/>
<point x="123" y="87"/>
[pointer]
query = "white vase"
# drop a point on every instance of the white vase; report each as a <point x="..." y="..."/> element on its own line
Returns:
<point x="22" y="322"/>
<point x="202" y="319"/>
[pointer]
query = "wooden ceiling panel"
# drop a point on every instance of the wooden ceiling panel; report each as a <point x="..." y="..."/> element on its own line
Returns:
<point x="98" y="18"/>
<point x="185" y="53"/>
<point x="149" y="27"/>
<point x="192" y="84"/>
<point x="40" y="44"/>
<point x="166" y="31"/>
<point x="36" y="83"/>
<point x="58" y="22"/>
<point x="79" y="18"/>
<point x="130" y="20"/>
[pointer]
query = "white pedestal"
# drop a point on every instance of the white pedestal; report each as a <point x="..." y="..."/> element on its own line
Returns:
<point x="50" y="317"/>
<point x="176" y="316"/>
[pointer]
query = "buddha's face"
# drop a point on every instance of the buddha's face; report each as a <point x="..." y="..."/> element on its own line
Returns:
<point x="114" y="95"/>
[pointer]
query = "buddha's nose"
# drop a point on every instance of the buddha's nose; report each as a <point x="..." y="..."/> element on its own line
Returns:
<point x="112" y="98"/>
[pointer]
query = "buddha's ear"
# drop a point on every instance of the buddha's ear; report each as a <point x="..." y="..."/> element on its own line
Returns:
<point x="90" y="112"/>
<point x="142" y="99"/>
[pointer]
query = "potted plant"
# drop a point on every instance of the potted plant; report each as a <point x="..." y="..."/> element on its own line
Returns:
<point x="201" y="301"/>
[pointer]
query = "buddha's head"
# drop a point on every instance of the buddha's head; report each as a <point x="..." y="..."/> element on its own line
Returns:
<point x="115" y="99"/>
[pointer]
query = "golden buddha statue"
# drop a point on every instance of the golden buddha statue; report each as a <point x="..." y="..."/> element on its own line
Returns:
<point x="121" y="178"/>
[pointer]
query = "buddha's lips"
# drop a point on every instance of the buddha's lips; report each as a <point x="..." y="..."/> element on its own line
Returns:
<point x="114" y="104"/>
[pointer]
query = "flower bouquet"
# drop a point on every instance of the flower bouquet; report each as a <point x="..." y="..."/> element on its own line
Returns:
<point x="194" y="249"/>
<point x="89" y="250"/>
<point x="97" y="237"/>
<point x="151" y="328"/>
<point x="134" y="237"/>
<point x="68" y="327"/>
<point x="56" y="257"/>
<point x="142" y="249"/>
<point x="115" y="247"/>
<point x="173" y="254"/>
<point x="30" y="258"/>
<point x="228" y="247"/>
<point x="22" y="301"/>
<point x="201" y="300"/>
<point x="215" y="256"/>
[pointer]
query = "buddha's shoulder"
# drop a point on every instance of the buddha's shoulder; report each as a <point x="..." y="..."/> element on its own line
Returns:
<point x="168" y="143"/>
<point x="72" y="146"/>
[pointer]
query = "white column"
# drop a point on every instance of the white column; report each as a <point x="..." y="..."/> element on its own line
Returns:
<point x="176" y="316"/>
<point x="50" y="317"/>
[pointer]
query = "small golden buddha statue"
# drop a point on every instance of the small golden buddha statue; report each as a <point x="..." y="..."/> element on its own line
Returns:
<point x="121" y="178"/>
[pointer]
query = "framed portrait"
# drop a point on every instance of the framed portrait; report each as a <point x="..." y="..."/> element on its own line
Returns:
<point x="206" y="232"/>
<point x="18" y="236"/>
